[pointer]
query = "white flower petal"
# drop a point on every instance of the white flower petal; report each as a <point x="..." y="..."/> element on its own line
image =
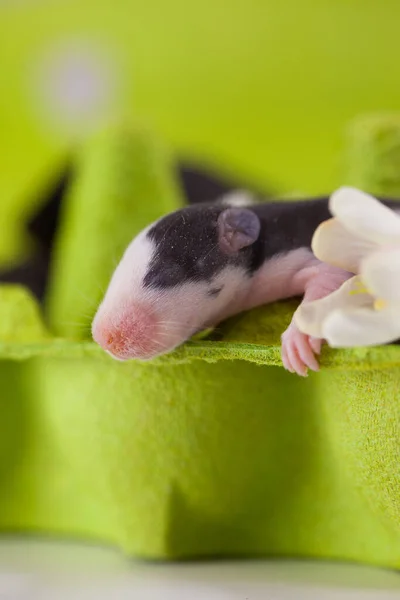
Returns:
<point x="334" y="244"/>
<point x="361" y="327"/>
<point x="310" y="316"/>
<point x="381" y="274"/>
<point x="365" y="216"/>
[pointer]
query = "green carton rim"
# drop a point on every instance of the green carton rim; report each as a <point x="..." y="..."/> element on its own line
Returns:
<point x="354" y="359"/>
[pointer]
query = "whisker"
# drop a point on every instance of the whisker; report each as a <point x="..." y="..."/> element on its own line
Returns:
<point x="171" y="323"/>
<point x="170" y="327"/>
<point x="75" y="324"/>
<point x="91" y="301"/>
<point x="167" y="231"/>
<point x="211" y="250"/>
<point x="116" y="259"/>
<point x="154" y="341"/>
<point x="185" y="337"/>
<point x="164" y="335"/>
<point x="85" y="315"/>
<point x="101" y="289"/>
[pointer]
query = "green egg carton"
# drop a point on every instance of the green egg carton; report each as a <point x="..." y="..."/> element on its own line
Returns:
<point x="214" y="450"/>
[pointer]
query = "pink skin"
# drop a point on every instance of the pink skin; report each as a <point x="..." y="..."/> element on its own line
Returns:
<point x="298" y="349"/>
<point x="127" y="338"/>
<point x="135" y="323"/>
<point x="296" y="274"/>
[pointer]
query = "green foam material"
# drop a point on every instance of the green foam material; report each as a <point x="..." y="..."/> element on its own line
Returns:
<point x="213" y="450"/>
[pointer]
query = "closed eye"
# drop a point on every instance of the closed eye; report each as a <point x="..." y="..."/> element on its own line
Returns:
<point x="214" y="291"/>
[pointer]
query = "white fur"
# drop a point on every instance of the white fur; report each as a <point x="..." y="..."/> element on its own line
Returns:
<point x="128" y="276"/>
<point x="237" y="198"/>
<point x="181" y="310"/>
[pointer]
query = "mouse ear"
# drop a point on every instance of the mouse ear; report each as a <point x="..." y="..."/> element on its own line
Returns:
<point x="237" y="228"/>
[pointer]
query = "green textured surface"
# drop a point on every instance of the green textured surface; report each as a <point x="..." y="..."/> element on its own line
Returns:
<point x="212" y="450"/>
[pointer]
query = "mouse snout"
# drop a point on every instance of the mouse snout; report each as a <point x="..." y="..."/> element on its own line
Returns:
<point x="130" y="335"/>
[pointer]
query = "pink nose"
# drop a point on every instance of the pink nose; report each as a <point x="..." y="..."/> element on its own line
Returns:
<point x="129" y="336"/>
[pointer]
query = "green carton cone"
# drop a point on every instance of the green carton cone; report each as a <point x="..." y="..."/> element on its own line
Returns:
<point x="213" y="450"/>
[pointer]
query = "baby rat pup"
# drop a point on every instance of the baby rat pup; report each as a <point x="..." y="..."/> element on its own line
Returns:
<point x="193" y="268"/>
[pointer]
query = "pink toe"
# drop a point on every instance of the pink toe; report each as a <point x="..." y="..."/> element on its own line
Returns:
<point x="298" y="364"/>
<point x="315" y="344"/>
<point x="305" y="352"/>
<point x="307" y="356"/>
<point x="285" y="359"/>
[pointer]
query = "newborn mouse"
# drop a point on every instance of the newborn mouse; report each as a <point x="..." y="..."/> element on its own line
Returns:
<point x="197" y="266"/>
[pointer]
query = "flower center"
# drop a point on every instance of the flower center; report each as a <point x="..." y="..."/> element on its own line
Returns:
<point x="380" y="304"/>
<point x="361" y="288"/>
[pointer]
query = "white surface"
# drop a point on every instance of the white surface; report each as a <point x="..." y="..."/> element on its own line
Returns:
<point x="63" y="571"/>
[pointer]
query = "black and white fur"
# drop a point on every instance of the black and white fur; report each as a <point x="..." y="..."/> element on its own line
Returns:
<point x="203" y="263"/>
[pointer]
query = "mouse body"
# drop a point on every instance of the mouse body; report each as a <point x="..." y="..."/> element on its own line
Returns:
<point x="201" y="264"/>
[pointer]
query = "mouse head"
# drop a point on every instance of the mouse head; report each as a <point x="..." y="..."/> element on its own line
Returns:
<point x="188" y="271"/>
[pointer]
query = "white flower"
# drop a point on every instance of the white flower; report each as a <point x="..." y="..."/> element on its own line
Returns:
<point x="363" y="238"/>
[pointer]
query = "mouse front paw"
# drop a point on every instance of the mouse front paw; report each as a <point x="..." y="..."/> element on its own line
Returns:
<point x="299" y="350"/>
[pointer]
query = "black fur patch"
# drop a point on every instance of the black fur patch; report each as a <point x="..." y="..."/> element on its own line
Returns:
<point x="198" y="185"/>
<point x="290" y="225"/>
<point x="187" y="247"/>
<point x="287" y="226"/>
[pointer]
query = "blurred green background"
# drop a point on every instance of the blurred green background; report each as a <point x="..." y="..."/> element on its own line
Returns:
<point x="259" y="90"/>
<point x="182" y="460"/>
